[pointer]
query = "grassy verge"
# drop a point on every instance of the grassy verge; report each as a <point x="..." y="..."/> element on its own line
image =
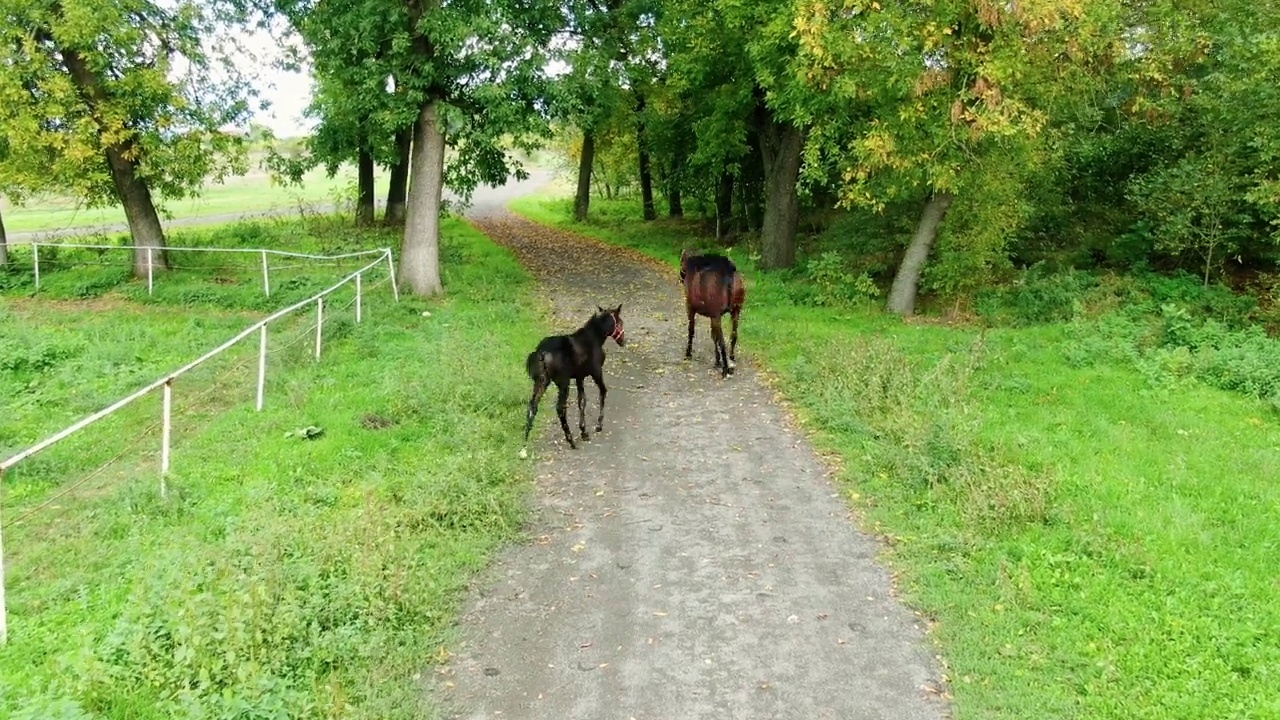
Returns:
<point x="288" y="574"/>
<point x="1095" y="540"/>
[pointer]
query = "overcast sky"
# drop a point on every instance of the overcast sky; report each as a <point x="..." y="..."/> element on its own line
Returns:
<point x="288" y="92"/>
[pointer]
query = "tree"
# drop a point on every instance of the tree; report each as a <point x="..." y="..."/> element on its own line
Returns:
<point x="4" y="244"/>
<point x="346" y="108"/>
<point x="398" y="185"/>
<point x="596" y="48"/>
<point x="124" y="99"/>
<point x="958" y="105"/>
<point x="734" y="57"/>
<point x="1202" y="85"/>
<point x="466" y="74"/>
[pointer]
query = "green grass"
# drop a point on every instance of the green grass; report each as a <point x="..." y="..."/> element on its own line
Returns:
<point x="252" y="193"/>
<point x="1093" y="540"/>
<point x="287" y="574"/>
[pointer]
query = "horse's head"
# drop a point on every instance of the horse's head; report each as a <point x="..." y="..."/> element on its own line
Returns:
<point x="610" y="323"/>
<point x="684" y="263"/>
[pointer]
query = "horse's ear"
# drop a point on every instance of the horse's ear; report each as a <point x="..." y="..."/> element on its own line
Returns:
<point x="619" y="310"/>
<point x="601" y="309"/>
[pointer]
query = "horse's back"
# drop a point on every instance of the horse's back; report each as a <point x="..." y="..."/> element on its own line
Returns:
<point x="706" y="274"/>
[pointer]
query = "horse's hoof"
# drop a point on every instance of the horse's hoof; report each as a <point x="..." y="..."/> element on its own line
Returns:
<point x="585" y="436"/>
<point x="599" y="429"/>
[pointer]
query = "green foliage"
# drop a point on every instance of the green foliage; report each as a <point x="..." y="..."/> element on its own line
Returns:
<point x="1038" y="296"/>
<point x="1171" y="329"/>
<point x="152" y="95"/>
<point x="835" y="285"/>
<point x="282" y="577"/>
<point x="483" y="58"/>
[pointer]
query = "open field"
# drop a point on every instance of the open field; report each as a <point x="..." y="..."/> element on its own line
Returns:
<point x="252" y="194"/>
<point x="1084" y="503"/>
<point x="288" y="574"/>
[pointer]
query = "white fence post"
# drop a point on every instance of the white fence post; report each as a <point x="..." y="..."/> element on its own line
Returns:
<point x="262" y="364"/>
<point x="4" y="608"/>
<point x="266" y="275"/>
<point x="359" y="298"/>
<point x="35" y="261"/>
<point x="165" y="436"/>
<point x="391" y="270"/>
<point x="150" y="262"/>
<point x="319" y="323"/>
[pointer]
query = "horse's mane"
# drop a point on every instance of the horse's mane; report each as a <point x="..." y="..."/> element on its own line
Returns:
<point x="710" y="261"/>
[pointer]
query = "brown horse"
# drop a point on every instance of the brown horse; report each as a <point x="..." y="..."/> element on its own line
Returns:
<point x="712" y="287"/>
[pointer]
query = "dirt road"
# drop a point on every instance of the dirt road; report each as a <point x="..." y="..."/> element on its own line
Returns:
<point x="691" y="561"/>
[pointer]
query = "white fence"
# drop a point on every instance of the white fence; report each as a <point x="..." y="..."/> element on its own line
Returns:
<point x="165" y="384"/>
<point x="264" y="254"/>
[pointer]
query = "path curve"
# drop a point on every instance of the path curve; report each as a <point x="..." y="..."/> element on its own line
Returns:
<point x="691" y="561"/>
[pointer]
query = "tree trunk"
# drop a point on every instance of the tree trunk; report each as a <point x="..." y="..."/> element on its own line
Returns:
<point x="902" y="296"/>
<point x="646" y="174"/>
<point x="724" y="202"/>
<point x="675" y="204"/>
<point x="4" y="244"/>
<point x="394" y="214"/>
<point x="672" y="180"/>
<point x="750" y="182"/>
<point x="582" y="201"/>
<point x="420" y="253"/>
<point x="781" y="145"/>
<point x="140" y="212"/>
<point x="364" y="184"/>
<point x="122" y="161"/>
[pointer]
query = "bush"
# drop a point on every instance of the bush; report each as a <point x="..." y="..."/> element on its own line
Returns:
<point x="835" y="285"/>
<point x="1038" y="296"/>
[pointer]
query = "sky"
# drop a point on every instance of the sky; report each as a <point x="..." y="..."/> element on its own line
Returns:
<point x="288" y="92"/>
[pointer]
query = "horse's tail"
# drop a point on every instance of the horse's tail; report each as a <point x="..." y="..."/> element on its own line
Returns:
<point x="726" y="278"/>
<point x="536" y="364"/>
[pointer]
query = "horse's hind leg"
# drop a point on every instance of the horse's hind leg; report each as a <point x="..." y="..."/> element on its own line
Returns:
<point x="539" y="387"/>
<point x="717" y="338"/>
<point x="562" y="409"/>
<point x="598" y="377"/>
<point x="688" y="349"/>
<point x="733" y="346"/>
<point x="582" y="411"/>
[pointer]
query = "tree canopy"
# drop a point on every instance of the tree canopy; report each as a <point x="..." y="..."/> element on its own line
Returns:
<point x="113" y="101"/>
<point x="1126" y="133"/>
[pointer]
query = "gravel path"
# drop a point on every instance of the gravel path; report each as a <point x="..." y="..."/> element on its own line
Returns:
<point x="691" y="561"/>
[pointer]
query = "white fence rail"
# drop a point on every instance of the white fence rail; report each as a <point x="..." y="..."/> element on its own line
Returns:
<point x="166" y="382"/>
<point x="265" y="255"/>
